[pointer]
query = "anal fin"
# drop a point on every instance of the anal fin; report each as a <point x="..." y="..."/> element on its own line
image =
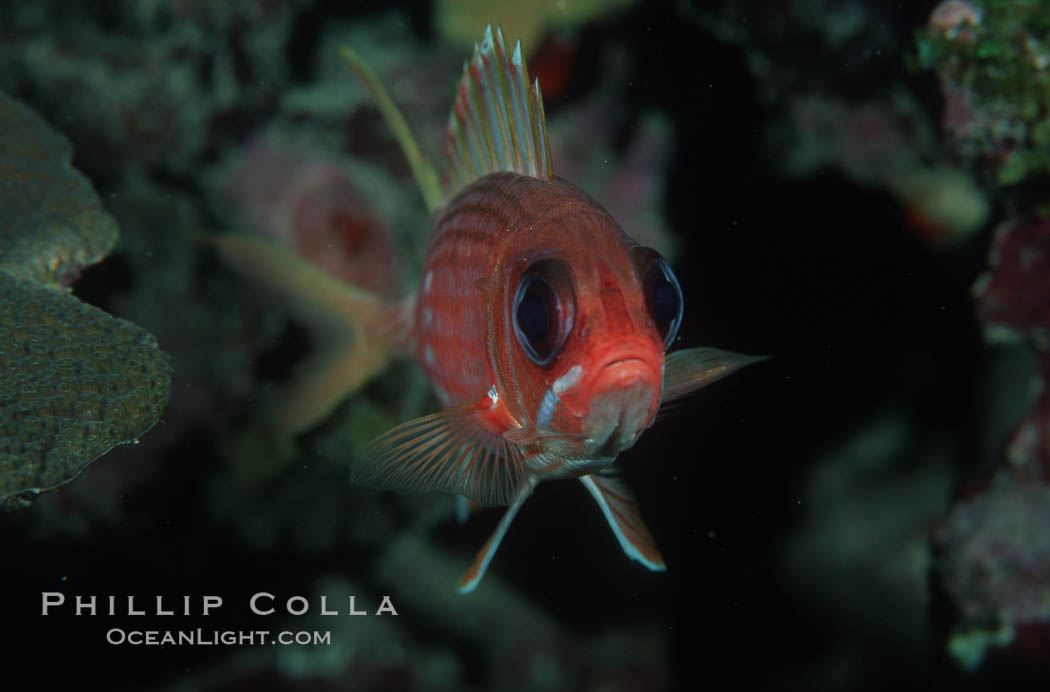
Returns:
<point x="621" y="511"/>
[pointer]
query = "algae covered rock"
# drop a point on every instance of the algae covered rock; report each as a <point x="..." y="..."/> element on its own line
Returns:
<point x="74" y="381"/>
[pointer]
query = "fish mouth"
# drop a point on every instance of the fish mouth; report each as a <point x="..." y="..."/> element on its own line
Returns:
<point x="623" y="371"/>
<point x="625" y="396"/>
<point x="625" y="359"/>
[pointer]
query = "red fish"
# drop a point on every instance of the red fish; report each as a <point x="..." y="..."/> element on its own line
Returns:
<point x="542" y="325"/>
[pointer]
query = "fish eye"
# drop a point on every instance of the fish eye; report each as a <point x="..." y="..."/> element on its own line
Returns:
<point x="544" y="307"/>
<point x="663" y="297"/>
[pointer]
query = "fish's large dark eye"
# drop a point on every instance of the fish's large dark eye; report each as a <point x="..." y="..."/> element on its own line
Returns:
<point x="543" y="310"/>
<point x="663" y="298"/>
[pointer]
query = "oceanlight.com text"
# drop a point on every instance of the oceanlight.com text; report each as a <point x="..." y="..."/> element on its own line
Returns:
<point x="208" y="637"/>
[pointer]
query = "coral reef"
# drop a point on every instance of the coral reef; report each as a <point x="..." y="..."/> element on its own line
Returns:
<point x="75" y="381"/>
<point x="993" y="60"/>
<point x="993" y="63"/>
<point x="995" y="566"/>
<point x="994" y="555"/>
<point x="176" y="76"/>
<point x="53" y="223"/>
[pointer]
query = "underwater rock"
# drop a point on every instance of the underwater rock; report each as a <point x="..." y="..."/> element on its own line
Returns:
<point x="74" y="381"/>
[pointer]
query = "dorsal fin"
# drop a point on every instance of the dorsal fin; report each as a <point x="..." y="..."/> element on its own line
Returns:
<point x="497" y="123"/>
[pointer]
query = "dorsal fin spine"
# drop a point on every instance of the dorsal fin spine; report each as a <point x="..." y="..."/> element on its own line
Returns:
<point x="499" y="109"/>
<point x="475" y="133"/>
<point x="540" y="122"/>
<point x="482" y="68"/>
<point x="520" y="91"/>
<point x="497" y="123"/>
<point x="480" y="106"/>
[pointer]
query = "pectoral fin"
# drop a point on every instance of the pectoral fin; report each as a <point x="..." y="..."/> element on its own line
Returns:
<point x="621" y="511"/>
<point x="456" y="451"/>
<point x="690" y="369"/>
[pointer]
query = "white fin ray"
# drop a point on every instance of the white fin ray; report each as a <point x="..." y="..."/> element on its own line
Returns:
<point x="497" y="123"/>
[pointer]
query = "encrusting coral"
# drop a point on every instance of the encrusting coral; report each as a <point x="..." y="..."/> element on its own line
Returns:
<point x="74" y="381"/>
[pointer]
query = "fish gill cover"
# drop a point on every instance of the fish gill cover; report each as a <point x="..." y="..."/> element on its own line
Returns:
<point x="74" y="381"/>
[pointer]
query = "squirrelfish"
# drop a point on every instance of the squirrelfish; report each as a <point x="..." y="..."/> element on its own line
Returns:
<point x="541" y="324"/>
